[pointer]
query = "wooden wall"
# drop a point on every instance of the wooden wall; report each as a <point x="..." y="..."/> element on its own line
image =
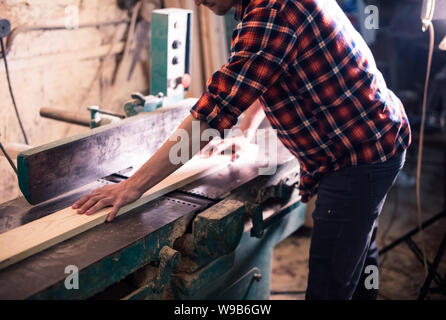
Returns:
<point x="58" y="69"/>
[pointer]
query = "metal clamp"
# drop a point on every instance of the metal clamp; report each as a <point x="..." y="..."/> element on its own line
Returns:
<point x="100" y="117"/>
<point x="142" y="103"/>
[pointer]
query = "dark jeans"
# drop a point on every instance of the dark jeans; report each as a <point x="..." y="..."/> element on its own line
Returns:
<point x="343" y="242"/>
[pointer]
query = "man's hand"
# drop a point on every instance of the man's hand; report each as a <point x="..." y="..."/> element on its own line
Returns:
<point x="230" y="146"/>
<point x="116" y="196"/>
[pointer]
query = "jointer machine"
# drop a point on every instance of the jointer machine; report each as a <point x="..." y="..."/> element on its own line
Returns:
<point x="210" y="239"/>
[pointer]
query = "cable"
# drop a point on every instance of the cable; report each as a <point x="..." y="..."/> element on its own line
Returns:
<point x="391" y="221"/>
<point x="427" y="24"/>
<point x="11" y="93"/>
<point x="9" y="159"/>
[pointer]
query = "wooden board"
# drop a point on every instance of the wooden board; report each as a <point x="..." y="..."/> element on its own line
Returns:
<point x="31" y="238"/>
<point x="213" y="41"/>
<point x="55" y="168"/>
<point x="197" y="74"/>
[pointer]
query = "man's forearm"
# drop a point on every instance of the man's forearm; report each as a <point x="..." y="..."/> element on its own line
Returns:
<point x="159" y="166"/>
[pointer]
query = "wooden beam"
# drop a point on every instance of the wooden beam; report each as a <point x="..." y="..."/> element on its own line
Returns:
<point x="31" y="238"/>
<point x="218" y="40"/>
<point x="213" y="41"/>
<point x="205" y="44"/>
<point x="82" y="119"/>
<point x="198" y="79"/>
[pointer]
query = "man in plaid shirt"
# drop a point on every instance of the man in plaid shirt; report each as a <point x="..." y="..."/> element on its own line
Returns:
<point x="304" y="64"/>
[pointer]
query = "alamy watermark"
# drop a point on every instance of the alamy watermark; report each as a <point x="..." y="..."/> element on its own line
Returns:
<point x="265" y="155"/>
<point x="371" y="21"/>
<point x="72" y="280"/>
<point x="371" y="282"/>
<point x="71" y="17"/>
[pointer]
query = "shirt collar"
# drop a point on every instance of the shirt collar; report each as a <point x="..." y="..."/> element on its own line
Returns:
<point x="240" y="9"/>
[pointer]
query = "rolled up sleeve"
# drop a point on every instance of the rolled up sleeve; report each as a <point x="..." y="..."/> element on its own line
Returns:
<point x="262" y="48"/>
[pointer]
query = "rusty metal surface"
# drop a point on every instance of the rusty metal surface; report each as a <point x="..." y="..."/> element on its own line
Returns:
<point x="46" y="268"/>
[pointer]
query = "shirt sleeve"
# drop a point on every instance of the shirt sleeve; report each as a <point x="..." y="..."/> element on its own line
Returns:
<point x="262" y="48"/>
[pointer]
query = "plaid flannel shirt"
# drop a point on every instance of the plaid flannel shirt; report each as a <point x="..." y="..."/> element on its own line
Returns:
<point x="318" y="83"/>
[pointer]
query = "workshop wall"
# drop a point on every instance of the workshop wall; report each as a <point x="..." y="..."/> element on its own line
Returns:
<point x="62" y="69"/>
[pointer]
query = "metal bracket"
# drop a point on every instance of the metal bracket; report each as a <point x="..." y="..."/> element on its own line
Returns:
<point x="140" y="103"/>
<point x="255" y="211"/>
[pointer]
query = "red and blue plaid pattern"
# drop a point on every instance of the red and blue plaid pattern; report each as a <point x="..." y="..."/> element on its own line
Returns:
<point x="318" y="83"/>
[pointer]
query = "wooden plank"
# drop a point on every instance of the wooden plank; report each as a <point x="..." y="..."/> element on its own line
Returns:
<point x="31" y="238"/>
<point x="213" y="41"/>
<point x="205" y="43"/>
<point x="82" y="119"/>
<point x="216" y="40"/>
<point x="198" y="80"/>
<point x="53" y="169"/>
<point x="119" y="79"/>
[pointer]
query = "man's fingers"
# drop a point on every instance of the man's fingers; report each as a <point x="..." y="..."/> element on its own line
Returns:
<point x="81" y="201"/>
<point x="209" y="149"/>
<point x="114" y="211"/>
<point x="97" y="191"/>
<point x="84" y="199"/>
<point x="87" y="205"/>
<point x="99" y="205"/>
